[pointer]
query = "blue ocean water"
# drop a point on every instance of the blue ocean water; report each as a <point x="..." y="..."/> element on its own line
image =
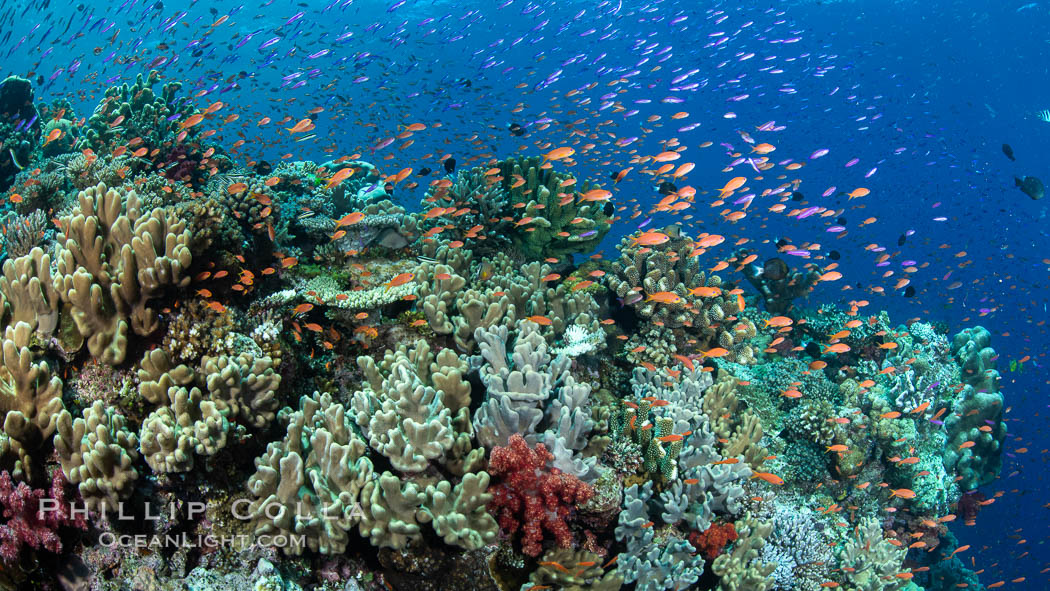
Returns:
<point x="912" y="101"/>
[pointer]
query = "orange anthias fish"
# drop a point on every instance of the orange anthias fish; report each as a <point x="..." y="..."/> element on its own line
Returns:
<point x="769" y="477"/>
<point x="779" y="321"/>
<point x="302" y="126"/>
<point x="664" y="297"/>
<point x="649" y="239"/>
<point x="399" y="279"/>
<point x="559" y="153"/>
<point x="350" y="219"/>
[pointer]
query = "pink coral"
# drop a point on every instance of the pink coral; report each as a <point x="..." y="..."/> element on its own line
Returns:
<point x="26" y="523"/>
<point x="531" y="496"/>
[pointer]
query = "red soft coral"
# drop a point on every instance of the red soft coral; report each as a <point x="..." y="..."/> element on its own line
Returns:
<point x="531" y="496"/>
<point x="30" y="521"/>
<point x="712" y="540"/>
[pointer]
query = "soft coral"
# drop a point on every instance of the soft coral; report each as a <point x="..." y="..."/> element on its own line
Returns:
<point x="532" y="496"/>
<point x="26" y="523"/>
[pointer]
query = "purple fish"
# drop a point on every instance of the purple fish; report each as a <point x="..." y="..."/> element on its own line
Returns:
<point x="808" y="212"/>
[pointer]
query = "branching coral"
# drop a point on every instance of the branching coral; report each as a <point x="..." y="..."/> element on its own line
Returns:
<point x="975" y="453"/>
<point x="742" y="568"/>
<point x="869" y="562"/>
<point x="740" y="429"/>
<point x="646" y="269"/>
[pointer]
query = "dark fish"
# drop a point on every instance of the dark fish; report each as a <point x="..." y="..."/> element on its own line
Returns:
<point x="516" y="129"/>
<point x="782" y="243"/>
<point x="263" y="167"/>
<point x="797" y="196"/>
<point x="902" y="240"/>
<point x="841" y="220"/>
<point x="1031" y="186"/>
<point x="424" y="171"/>
<point x="909" y="291"/>
<point x="1008" y="151"/>
<point x="666" y="188"/>
<point x="450" y="165"/>
<point x="813" y="349"/>
<point x="389" y="188"/>
<point x="834" y="255"/>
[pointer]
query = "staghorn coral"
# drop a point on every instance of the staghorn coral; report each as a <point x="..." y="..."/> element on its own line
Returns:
<point x="97" y="453"/>
<point x="113" y="258"/>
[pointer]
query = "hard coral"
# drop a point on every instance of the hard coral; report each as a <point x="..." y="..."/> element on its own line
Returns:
<point x="532" y="496"/>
